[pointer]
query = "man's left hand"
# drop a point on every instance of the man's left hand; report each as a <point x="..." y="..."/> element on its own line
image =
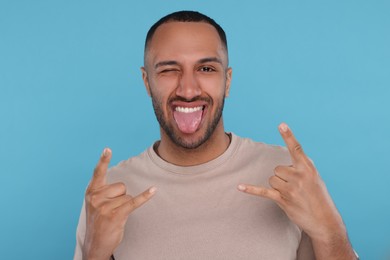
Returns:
<point x="300" y="192"/>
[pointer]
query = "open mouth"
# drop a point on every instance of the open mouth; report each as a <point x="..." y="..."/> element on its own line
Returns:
<point x="188" y="118"/>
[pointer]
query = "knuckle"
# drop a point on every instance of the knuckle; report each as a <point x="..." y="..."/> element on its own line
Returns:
<point x="88" y="191"/>
<point x="93" y="199"/>
<point x="109" y="213"/>
<point x="287" y="196"/>
<point x="113" y="214"/>
<point x="293" y="193"/>
<point x="96" y="170"/>
<point x="313" y="171"/>
<point x="121" y="187"/>
<point x="132" y="203"/>
<point x="298" y="147"/>
<point x="299" y="184"/>
<point x="263" y="192"/>
<point x="104" y="209"/>
<point x="125" y="199"/>
<point x="273" y="180"/>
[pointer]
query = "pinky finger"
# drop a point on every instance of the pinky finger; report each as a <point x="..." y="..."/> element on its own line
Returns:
<point x="137" y="201"/>
<point x="260" y="191"/>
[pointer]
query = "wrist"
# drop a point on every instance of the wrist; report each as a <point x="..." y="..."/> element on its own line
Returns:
<point x="93" y="255"/>
<point x="333" y="246"/>
<point x="330" y="235"/>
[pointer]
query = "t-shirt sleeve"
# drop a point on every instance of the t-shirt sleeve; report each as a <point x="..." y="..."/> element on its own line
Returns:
<point x="305" y="249"/>
<point x="80" y="235"/>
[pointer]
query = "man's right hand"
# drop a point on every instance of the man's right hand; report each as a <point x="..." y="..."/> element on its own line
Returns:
<point x="107" y="209"/>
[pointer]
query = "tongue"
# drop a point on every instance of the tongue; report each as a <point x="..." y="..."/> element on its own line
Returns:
<point x="188" y="122"/>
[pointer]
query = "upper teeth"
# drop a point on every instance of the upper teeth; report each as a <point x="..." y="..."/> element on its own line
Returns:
<point x="188" y="109"/>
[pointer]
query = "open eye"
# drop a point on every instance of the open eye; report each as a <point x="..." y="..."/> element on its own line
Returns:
<point x="206" y="69"/>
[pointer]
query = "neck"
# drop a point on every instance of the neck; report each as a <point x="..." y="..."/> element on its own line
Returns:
<point x="215" y="146"/>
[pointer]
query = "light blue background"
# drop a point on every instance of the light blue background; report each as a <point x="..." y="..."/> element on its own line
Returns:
<point x="71" y="85"/>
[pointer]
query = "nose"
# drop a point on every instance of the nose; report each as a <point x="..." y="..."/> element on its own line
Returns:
<point x="188" y="86"/>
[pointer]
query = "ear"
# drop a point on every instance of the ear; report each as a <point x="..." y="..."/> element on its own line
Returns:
<point x="145" y="79"/>
<point x="229" y="72"/>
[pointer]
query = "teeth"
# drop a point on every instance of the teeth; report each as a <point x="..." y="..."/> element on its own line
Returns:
<point x="188" y="109"/>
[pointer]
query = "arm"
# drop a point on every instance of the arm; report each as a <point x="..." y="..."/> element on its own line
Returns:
<point x="300" y="192"/>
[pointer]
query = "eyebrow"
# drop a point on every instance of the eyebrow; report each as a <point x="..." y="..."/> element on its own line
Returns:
<point x="165" y="63"/>
<point x="172" y="62"/>
<point x="210" y="59"/>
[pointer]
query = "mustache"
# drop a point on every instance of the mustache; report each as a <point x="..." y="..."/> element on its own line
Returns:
<point x="182" y="99"/>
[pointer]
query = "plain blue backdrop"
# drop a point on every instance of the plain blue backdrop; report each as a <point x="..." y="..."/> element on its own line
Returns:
<point x="71" y="85"/>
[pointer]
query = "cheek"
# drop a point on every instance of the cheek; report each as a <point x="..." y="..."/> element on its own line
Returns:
<point x="167" y="79"/>
<point x="163" y="86"/>
<point x="161" y="90"/>
<point x="214" y="87"/>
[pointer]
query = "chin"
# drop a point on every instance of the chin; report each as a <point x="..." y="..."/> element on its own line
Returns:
<point x="189" y="141"/>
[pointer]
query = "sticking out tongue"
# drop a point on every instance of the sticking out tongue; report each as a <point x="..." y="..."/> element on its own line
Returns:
<point x="188" y="122"/>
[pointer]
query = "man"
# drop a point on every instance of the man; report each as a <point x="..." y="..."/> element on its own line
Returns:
<point x="192" y="183"/>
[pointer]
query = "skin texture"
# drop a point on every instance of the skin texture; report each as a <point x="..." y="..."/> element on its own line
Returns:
<point x="300" y="192"/>
<point x="107" y="207"/>
<point x="186" y="65"/>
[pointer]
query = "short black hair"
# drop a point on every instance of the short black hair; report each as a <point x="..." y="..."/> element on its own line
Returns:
<point x="186" y="16"/>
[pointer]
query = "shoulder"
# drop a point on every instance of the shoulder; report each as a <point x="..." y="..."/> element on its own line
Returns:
<point x="262" y="152"/>
<point x="131" y="161"/>
<point x="130" y="166"/>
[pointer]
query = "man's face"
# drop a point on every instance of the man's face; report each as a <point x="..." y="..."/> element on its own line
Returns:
<point x="186" y="75"/>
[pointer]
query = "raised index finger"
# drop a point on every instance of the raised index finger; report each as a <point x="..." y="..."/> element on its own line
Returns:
<point x="292" y="144"/>
<point x="99" y="175"/>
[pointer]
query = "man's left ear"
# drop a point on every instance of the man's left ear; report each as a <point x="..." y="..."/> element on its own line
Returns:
<point x="229" y="72"/>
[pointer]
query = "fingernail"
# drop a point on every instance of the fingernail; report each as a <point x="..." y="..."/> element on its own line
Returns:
<point x="283" y="127"/>
<point x="241" y="187"/>
<point x="152" y="190"/>
<point x="106" y="152"/>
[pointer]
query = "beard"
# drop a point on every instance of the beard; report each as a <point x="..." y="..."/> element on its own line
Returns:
<point x="173" y="135"/>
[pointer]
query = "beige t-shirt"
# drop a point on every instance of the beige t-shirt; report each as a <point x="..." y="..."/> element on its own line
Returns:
<point x="198" y="213"/>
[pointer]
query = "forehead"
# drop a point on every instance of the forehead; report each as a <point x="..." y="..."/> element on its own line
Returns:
<point x="179" y="40"/>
